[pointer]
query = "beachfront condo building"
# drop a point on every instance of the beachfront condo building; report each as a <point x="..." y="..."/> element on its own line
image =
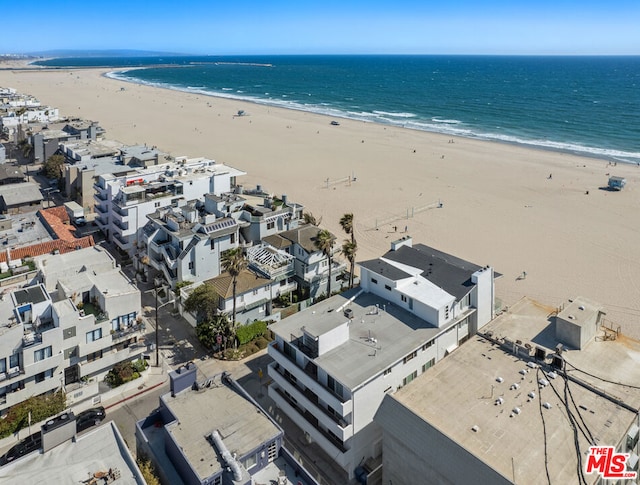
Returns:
<point x="522" y="402"/>
<point x="335" y="361"/>
<point x="68" y="330"/>
<point x="122" y="203"/>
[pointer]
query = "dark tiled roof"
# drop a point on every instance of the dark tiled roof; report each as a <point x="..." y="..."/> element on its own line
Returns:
<point x="304" y="236"/>
<point x="450" y="273"/>
<point x="383" y="268"/>
<point x="277" y="241"/>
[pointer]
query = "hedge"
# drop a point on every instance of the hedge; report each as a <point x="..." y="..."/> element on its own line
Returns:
<point x="41" y="408"/>
<point x="246" y="333"/>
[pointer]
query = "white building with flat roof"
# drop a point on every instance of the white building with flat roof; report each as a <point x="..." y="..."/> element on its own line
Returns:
<point x="123" y="203"/>
<point x="335" y="361"/>
<point x="508" y="408"/>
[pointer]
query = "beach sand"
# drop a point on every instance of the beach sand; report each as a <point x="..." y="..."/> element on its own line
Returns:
<point x="498" y="205"/>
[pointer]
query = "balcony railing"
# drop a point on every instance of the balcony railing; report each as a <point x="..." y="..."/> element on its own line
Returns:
<point x="313" y="422"/>
<point x="309" y="370"/>
<point x="118" y="334"/>
<point x="311" y="396"/>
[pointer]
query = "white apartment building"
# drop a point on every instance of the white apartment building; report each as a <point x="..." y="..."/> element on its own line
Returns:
<point x="124" y="202"/>
<point x="73" y="326"/>
<point x="335" y="361"/>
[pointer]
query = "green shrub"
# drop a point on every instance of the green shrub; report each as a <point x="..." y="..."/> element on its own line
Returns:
<point x="124" y="372"/>
<point x="261" y="343"/>
<point x="246" y="333"/>
<point x="41" y="407"/>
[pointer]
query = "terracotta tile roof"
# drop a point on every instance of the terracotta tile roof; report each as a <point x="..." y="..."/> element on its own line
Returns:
<point x="48" y="247"/>
<point x="56" y="221"/>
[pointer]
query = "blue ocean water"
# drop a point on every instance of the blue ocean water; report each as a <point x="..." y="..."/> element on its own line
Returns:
<point x="585" y="105"/>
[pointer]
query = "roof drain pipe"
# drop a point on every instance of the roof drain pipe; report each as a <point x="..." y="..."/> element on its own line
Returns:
<point x="226" y="455"/>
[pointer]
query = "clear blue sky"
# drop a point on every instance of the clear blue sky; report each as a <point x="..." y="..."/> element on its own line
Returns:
<point x="326" y="27"/>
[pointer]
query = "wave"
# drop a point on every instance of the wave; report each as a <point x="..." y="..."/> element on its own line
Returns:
<point x="405" y="120"/>
<point x="394" y="115"/>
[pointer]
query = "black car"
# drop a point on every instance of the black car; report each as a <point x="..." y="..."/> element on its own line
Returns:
<point x="26" y="446"/>
<point x="89" y="418"/>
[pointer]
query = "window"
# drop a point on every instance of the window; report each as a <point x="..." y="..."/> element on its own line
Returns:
<point x="14" y="361"/>
<point x="410" y="356"/>
<point x="272" y="451"/>
<point x="428" y="364"/>
<point x="212" y="243"/>
<point x="3" y="366"/>
<point x="48" y="374"/>
<point x="156" y="205"/>
<point x="94" y="356"/>
<point x="217" y="480"/>
<point x="271" y="225"/>
<point x="374" y="281"/>
<point x="446" y="312"/>
<point x="409" y="378"/>
<point x="427" y="345"/>
<point x="387" y="371"/>
<point x="190" y="264"/>
<point x="249" y="461"/>
<point x="335" y="386"/>
<point x="403" y="298"/>
<point x="42" y="354"/>
<point x="232" y="238"/>
<point x="69" y="332"/>
<point x="94" y="335"/>
<point x="387" y="287"/>
<point x="255" y="292"/>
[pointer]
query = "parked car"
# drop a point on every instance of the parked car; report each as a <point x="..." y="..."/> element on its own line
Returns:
<point x="29" y="444"/>
<point x="90" y="417"/>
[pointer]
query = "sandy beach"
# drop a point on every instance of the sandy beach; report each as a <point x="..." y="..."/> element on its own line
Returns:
<point x="498" y="205"/>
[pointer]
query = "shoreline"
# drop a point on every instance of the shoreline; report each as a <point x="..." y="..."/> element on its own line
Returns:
<point x="571" y="148"/>
<point x="499" y="207"/>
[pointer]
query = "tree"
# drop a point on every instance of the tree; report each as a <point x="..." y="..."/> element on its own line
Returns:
<point x="26" y="148"/>
<point x="203" y="301"/>
<point x="309" y="218"/>
<point x="234" y="262"/>
<point x="207" y="331"/>
<point x="349" y="249"/>
<point x="53" y="166"/>
<point x="324" y="241"/>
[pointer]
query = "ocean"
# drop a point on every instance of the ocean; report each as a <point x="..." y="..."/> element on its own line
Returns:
<point x="584" y="105"/>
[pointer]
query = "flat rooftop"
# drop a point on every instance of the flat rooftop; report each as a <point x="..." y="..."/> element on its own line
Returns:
<point x="92" y="453"/>
<point x="397" y="333"/>
<point x="242" y="426"/>
<point x="463" y="388"/>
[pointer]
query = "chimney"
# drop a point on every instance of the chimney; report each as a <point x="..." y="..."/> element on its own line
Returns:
<point x="284" y="199"/>
<point x="403" y="241"/>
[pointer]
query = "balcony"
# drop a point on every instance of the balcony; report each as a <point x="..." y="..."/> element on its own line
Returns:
<point x="121" y="242"/>
<point x="123" y="226"/>
<point x="118" y="335"/>
<point x="100" y="196"/>
<point x="295" y="413"/>
<point x="100" y="209"/>
<point x="342" y="405"/>
<point x="309" y="400"/>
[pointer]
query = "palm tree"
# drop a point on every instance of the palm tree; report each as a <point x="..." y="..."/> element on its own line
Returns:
<point x="349" y="249"/>
<point x="309" y="218"/>
<point x="234" y="262"/>
<point x="324" y="242"/>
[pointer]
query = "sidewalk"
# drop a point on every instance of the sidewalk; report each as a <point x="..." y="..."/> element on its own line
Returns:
<point x="152" y="378"/>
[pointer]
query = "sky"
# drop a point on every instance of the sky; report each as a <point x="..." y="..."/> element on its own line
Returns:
<point x="555" y="27"/>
